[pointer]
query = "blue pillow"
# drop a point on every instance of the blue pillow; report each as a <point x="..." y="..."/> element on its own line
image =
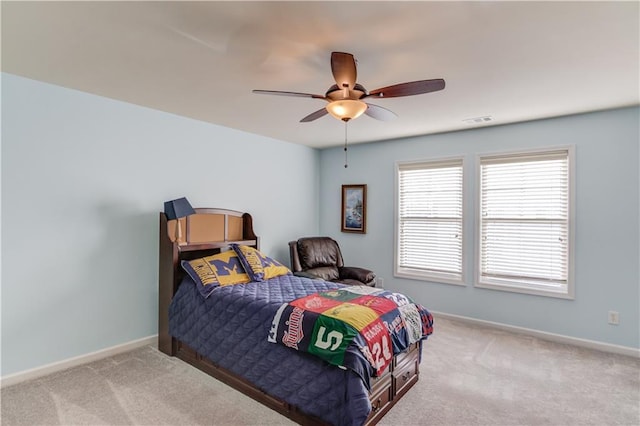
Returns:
<point x="210" y="272"/>
<point x="258" y="266"/>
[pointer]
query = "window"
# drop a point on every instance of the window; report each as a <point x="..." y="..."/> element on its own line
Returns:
<point x="429" y="221"/>
<point x="525" y="231"/>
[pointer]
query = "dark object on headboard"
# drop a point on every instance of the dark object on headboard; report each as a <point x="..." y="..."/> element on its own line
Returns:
<point x="320" y="257"/>
<point x="177" y="209"/>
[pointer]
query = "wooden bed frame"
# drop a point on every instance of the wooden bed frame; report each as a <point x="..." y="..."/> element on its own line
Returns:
<point x="208" y="232"/>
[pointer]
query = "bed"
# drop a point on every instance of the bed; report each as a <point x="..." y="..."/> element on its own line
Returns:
<point x="225" y="334"/>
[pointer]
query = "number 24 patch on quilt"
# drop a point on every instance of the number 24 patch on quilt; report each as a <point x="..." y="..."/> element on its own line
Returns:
<point x="378" y="323"/>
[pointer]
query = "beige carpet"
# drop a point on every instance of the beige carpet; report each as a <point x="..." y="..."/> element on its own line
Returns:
<point x="469" y="376"/>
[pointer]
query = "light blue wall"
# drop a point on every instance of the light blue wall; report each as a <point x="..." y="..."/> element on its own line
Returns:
<point x="607" y="222"/>
<point x="83" y="180"/>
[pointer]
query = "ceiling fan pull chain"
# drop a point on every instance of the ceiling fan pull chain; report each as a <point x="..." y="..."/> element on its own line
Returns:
<point x="345" y="145"/>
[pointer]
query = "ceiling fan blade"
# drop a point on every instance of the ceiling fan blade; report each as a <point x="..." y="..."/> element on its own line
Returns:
<point x="343" y="67"/>
<point x="408" y="89"/>
<point x="315" y="115"/>
<point x="281" y="93"/>
<point x="379" y="113"/>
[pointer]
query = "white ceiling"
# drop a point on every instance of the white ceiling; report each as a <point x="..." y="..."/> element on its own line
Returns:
<point x="513" y="61"/>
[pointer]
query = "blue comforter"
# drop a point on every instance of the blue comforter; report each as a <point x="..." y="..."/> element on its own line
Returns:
<point x="231" y="327"/>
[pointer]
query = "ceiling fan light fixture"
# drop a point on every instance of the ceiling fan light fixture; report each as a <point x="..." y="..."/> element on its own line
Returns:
<point x="345" y="97"/>
<point x="346" y="109"/>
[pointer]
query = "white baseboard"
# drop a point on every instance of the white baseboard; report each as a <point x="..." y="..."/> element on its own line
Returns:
<point x="559" y="338"/>
<point x="35" y="373"/>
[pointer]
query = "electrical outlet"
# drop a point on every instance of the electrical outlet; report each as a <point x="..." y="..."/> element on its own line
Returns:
<point x="614" y="318"/>
<point x="379" y="282"/>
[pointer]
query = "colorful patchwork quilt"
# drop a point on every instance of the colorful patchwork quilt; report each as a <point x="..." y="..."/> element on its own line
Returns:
<point x="335" y="324"/>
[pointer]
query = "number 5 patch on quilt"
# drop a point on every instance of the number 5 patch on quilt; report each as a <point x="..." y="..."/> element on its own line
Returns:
<point x="326" y="324"/>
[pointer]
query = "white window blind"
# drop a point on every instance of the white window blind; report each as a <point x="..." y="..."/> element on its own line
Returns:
<point x="429" y="226"/>
<point x="524" y="221"/>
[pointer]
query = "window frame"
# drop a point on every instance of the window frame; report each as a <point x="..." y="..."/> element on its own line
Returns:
<point x="519" y="286"/>
<point x="400" y="272"/>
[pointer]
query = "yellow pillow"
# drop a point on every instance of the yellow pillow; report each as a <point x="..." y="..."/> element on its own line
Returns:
<point x="210" y="272"/>
<point x="258" y="266"/>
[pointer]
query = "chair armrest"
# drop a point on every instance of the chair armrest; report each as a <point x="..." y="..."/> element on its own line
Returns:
<point x="355" y="273"/>
<point x="306" y="275"/>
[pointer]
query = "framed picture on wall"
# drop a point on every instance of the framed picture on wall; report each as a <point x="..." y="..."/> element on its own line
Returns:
<point x="354" y="208"/>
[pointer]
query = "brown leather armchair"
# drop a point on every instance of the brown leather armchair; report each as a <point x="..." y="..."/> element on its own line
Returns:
<point x="320" y="257"/>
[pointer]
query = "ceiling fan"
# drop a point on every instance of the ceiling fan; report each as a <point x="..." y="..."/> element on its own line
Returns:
<point x="345" y="98"/>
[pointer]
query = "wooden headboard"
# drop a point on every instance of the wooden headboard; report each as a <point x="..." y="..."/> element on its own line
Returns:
<point x="208" y="231"/>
